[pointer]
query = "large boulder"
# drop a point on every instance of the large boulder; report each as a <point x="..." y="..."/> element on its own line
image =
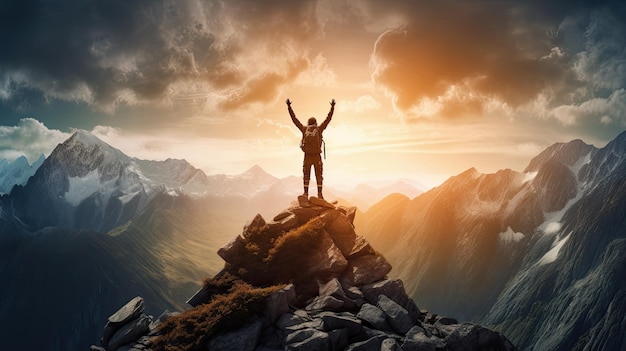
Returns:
<point x="365" y="269"/>
<point x="278" y="303"/>
<point x="397" y="316"/>
<point x="127" y="313"/>
<point x="234" y="250"/>
<point x="130" y="332"/>
<point x="393" y="289"/>
<point x="374" y="316"/>
<point x="242" y="339"/>
<point x="327" y="261"/>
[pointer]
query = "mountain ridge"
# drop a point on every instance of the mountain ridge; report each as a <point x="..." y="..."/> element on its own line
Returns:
<point x="512" y="249"/>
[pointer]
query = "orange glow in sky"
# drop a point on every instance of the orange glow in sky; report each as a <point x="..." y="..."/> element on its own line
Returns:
<point x="424" y="90"/>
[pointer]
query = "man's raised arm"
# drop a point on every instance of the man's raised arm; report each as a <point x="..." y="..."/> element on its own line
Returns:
<point x="293" y="115"/>
<point x="330" y="115"/>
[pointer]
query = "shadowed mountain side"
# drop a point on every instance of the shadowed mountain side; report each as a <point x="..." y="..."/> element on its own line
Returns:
<point x="161" y="255"/>
<point x="536" y="253"/>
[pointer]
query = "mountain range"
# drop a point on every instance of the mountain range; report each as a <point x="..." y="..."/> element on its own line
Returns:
<point x="539" y="254"/>
<point x="91" y="226"/>
<point x="17" y="172"/>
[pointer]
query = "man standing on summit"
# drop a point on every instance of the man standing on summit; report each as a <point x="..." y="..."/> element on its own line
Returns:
<point x="311" y="145"/>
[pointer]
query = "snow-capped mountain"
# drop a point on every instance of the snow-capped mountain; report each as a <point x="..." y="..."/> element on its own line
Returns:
<point x="17" y="172"/>
<point x="540" y="253"/>
<point x="86" y="183"/>
<point x="247" y="185"/>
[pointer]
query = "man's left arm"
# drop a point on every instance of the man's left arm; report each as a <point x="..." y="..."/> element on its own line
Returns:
<point x="330" y="115"/>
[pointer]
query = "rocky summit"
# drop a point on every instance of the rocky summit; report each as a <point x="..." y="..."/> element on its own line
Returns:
<point x="303" y="281"/>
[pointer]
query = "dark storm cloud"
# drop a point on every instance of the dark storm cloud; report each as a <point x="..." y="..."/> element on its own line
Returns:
<point x="107" y="52"/>
<point x="508" y="51"/>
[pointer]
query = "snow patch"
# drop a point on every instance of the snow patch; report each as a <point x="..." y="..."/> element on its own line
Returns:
<point x="552" y="227"/>
<point x="552" y="255"/>
<point x="83" y="187"/>
<point x="510" y="236"/>
<point x="124" y="199"/>
<point x="580" y="163"/>
<point x="529" y="176"/>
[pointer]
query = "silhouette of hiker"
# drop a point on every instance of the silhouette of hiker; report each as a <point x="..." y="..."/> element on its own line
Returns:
<point x="311" y="145"/>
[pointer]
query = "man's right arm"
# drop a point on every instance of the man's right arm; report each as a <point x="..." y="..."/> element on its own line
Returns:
<point x="293" y="116"/>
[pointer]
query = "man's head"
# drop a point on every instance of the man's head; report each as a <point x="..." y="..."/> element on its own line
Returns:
<point x="312" y="121"/>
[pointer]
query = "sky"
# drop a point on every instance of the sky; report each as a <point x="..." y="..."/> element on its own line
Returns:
<point x="424" y="89"/>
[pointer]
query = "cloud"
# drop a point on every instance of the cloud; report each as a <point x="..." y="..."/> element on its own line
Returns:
<point x="30" y="138"/>
<point x="604" y="110"/>
<point x="360" y="105"/>
<point x="112" y="53"/>
<point x="452" y="59"/>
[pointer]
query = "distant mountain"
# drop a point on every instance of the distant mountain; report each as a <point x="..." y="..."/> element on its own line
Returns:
<point x="365" y="195"/>
<point x="87" y="184"/>
<point x="17" y="172"/>
<point x="540" y="253"/>
<point x="248" y="184"/>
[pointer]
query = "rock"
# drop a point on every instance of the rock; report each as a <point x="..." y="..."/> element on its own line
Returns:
<point x="334" y="321"/>
<point x="327" y="262"/>
<point x="466" y="336"/>
<point x="333" y="288"/>
<point x="361" y="247"/>
<point x="445" y="321"/>
<point x="233" y="250"/>
<point x="325" y="303"/>
<point x="418" y="341"/>
<point x="130" y="332"/>
<point x="397" y="316"/>
<point x="289" y="319"/>
<point x="314" y="324"/>
<point x="300" y="335"/>
<point x="279" y="301"/>
<point x="319" y="341"/>
<point x="320" y="202"/>
<point x="328" y="217"/>
<point x="349" y="212"/>
<point x="242" y="339"/>
<point x="279" y="217"/>
<point x="339" y="338"/>
<point x="393" y="289"/>
<point x="390" y="344"/>
<point x="372" y="344"/>
<point x="285" y="224"/>
<point x="272" y="337"/>
<point x="305" y="214"/>
<point x="256" y="225"/>
<point x="96" y="348"/>
<point x="130" y="311"/>
<point x="342" y="233"/>
<point x="365" y="270"/>
<point x="354" y="293"/>
<point x="374" y="316"/>
<point x="303" y="201"/>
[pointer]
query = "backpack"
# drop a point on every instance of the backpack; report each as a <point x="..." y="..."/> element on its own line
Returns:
<point x="311" y="140"/>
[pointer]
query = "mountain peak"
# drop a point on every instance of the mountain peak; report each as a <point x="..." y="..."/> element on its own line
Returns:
<point x="85" y="137"/>
<point x="567" y="153"/>
<point x="257" y="172"/>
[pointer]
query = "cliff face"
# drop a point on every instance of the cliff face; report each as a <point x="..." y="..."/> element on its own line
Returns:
<point x="303" y="281"/>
